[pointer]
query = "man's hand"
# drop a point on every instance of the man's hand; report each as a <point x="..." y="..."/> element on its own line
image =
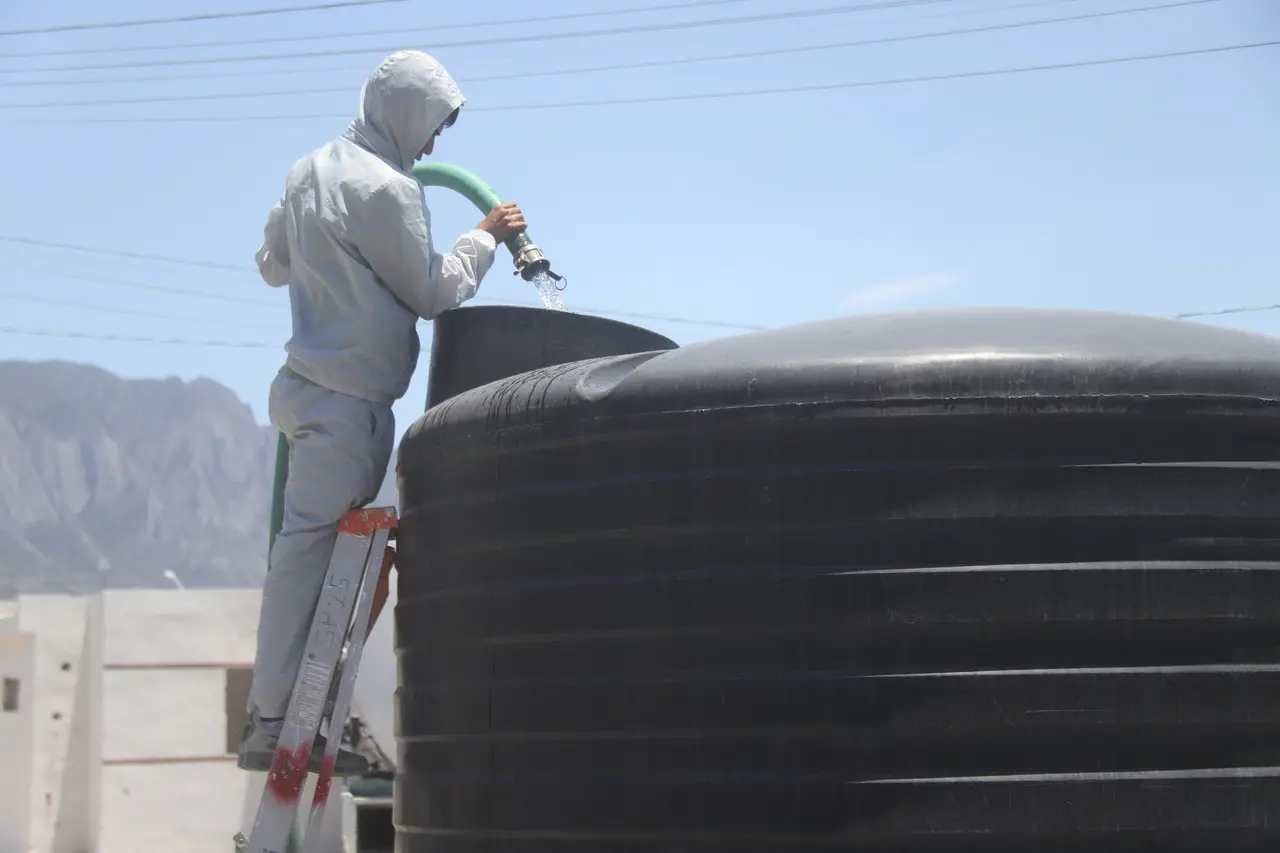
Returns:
<point x="504" y="220"/>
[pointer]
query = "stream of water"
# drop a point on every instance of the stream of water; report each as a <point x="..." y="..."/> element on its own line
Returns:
<point x="546" y="287"/>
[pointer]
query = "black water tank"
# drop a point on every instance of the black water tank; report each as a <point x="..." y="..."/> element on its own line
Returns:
<point x="476" y="345"/>
<point x="945" y="581"/>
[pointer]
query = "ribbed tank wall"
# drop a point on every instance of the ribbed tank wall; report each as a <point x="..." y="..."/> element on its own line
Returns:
<point x="959" y="581"/>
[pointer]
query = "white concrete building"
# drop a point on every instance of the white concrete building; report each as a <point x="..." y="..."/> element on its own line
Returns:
<point x="50" y="725"/>
<point x="119" y="719"/>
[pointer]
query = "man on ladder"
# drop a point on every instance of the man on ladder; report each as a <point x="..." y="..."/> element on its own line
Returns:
<point x="351" y="238"/>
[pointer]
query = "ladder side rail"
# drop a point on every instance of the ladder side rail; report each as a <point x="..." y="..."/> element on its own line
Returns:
<point x="353" y="552"/>
<point x="346" y="683"/>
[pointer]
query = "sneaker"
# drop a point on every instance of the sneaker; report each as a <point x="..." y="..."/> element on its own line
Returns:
<point x="258" y="750"/>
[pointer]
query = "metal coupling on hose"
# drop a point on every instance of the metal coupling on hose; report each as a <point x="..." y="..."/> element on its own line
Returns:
<point x="530" y="261"/>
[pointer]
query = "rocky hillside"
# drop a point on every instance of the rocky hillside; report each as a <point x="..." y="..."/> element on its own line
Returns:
<point x="108" y="482"/>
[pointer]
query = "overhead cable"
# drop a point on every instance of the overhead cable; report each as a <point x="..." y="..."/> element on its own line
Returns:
<point x="487" y="24"/>
<point x="186" y="19"/>
<point x="754" y="54"/>
<point x="171" y="76"/>
<point x="691" y="96"/>
<point x="526" y="38"/>
<point x="164" y="288"/>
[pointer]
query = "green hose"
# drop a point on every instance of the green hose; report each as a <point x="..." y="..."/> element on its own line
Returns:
<point x="277" y="492"/>
<point x="473" y="189"/>
<point x="294" y="842"/>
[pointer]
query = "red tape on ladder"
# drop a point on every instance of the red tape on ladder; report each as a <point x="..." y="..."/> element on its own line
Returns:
<point x="363" y="522"/>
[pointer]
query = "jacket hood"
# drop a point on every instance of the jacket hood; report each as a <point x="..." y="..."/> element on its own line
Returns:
<point x="402" y="104"/>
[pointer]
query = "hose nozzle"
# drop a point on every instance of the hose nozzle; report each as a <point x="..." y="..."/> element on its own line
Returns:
<point x="529" y="260"/>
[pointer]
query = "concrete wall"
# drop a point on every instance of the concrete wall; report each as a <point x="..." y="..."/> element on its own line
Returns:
<point x="186" y="807"/>
<point x="180" y="627"/>
<point x="65" y="725"/>
<point x="80" y="807"/>
<point x="129" y="712"/>
<point x="168" y="775"/>
<point x="163" y="715"/>
<point x="17" y="662"/>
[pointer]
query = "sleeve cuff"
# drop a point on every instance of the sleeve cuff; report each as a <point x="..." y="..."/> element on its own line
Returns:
<point x="484" y="239"/>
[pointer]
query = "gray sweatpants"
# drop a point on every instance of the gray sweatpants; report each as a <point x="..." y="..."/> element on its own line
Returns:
<point x="339" y="448"/>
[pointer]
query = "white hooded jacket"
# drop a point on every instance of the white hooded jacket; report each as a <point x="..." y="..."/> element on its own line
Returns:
<point x="351" y="237"/>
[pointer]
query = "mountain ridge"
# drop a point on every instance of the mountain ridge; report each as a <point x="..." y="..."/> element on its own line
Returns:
<point x="108" y="482"/>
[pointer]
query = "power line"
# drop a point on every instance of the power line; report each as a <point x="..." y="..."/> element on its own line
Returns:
<point x="185" y="19"/>
<point x="1247" y="309"/>
<point x="755" y="54"/>
<point x="99" y="80"/>
<point x="544" y="19"/>
<point x="92" y="336"/>
<point x="632" y="315"/>
<point x="541" y="37"/>
<point x="139" y="285"/>
<point x="52" y="333"/>
<point x="105" y="309"/>
<point x="138" y="339"/>
<point x="933" y="78"/>
<point x="665" y="318"/>
<point x="71" y="247"/>
<point x="696" y="96"/>
<point x="987" y="10"/>
<point x="837" y="45"/>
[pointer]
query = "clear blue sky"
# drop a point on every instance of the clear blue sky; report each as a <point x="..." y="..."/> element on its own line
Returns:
<point x="1151" y="187"/>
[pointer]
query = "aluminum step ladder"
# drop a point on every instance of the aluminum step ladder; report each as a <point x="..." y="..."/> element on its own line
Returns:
<point x="343" y="617"/>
